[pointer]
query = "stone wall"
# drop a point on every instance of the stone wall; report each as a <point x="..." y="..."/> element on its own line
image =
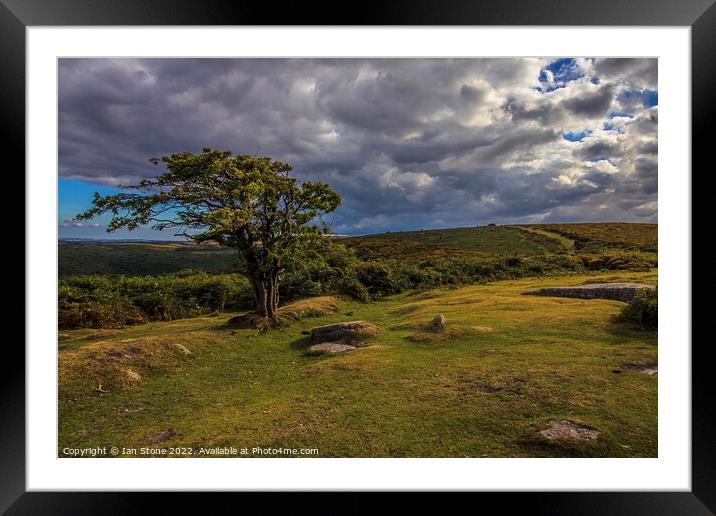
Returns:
<point x="615" y="291"/>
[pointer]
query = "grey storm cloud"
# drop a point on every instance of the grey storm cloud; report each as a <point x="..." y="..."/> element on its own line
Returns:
<point x="599" y="149"/>
<point x="407" y="142"/>
<point x="593" y="104"/>
<point x="544" y="112"/>
<point x="641" y="73"/>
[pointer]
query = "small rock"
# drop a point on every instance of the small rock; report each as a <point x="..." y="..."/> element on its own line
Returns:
<point x="133" y="375"/>
<point x="351" y="331"/>
<point x="490" y="389"/>
<point x="250" y="320"/>
<point x="330" y="347"/>
<point x="161" y="436"/>
<point x="563" y="429"/>
<point x="438" y="322"/>
<point x="650" y="369"/>
<point x="182" y="349"/>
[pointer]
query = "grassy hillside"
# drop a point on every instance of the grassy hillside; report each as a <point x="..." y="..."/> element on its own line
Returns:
<point x="408" y="246"/>
<point x="141" y="258"/>
<point x="643" y="237"/>
<point x="524" y="240"/>
<point x="436" y="243"/>
<point x="508" y="364"/>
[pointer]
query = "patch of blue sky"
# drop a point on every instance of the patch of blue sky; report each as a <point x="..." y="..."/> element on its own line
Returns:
<point x="75" y="196"/>
<point x="620" y="114"/>
<point x="562" y="71"/>
<point x="576" y="137"/>
<point x="565" y="70"/>
<point x="648" y="98"/>
<point x="609" y="126"/>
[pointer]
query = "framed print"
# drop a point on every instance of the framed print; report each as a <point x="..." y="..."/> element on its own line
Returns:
<point x="420" y="252"/>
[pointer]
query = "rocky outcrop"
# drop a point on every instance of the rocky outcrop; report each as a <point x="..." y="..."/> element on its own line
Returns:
<point x="330" y="347"/>
<point x="438" y="323"/>
<point x="565" y="430"/>
<point x="614" y="291"/>
<point x="353" y="331"/>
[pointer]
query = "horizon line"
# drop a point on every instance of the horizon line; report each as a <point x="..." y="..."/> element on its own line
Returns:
<point x="129" y="239"/>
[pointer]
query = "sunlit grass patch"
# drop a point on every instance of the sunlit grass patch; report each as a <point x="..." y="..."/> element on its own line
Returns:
<point x="312" y="307"/>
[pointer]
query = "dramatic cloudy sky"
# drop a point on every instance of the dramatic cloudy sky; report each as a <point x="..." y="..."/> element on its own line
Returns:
<point x="408" y="143"/>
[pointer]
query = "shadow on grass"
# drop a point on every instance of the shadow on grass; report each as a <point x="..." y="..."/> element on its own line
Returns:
<point x="301" y="344"/>
<point x="629" y="330"/>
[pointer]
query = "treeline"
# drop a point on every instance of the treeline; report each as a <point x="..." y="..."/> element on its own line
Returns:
<point x="104" y="301"/>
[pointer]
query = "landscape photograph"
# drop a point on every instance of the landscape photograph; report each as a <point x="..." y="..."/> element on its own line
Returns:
<point x="357" y="257"/>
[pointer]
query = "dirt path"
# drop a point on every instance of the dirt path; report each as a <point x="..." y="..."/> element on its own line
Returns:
<point x="567" y="243"/>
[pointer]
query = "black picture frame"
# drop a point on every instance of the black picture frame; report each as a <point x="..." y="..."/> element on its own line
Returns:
<point x="700" y="15"/>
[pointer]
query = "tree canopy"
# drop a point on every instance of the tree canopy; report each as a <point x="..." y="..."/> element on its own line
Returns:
<point x="248" y="203"/>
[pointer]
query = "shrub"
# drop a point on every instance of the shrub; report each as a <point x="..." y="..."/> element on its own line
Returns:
<point x="214" y="294"/>
<point x="102" y="301"/>
<point x="619" y="261"/>
<point x="76" y="309"/>
<point x="643" y="309"/>
<point x="408" y="275"/>
<point x="162" y="306"/>
<point x="377" y="279"/>
<point x="348" y="284"/>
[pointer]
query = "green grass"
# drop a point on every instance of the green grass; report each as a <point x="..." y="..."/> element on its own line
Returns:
<point x="565" y="243"/>
<point x="510" y="364"/>
<point x="435" y="243"/>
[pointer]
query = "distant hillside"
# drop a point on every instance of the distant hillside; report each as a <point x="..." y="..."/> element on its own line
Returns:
<point x="611" y="235"/>
<point x="141" y="258"/>
<point x="524" y="240"/>
<point x="149" y="258"/>
<point x="436" y="243"/>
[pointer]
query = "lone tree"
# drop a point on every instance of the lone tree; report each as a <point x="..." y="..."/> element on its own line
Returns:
<point x="240" y="201"/>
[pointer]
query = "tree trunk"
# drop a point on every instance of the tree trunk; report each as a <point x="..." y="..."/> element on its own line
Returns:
<point x="272" y="297"/>
<point x="266" y="297"/>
